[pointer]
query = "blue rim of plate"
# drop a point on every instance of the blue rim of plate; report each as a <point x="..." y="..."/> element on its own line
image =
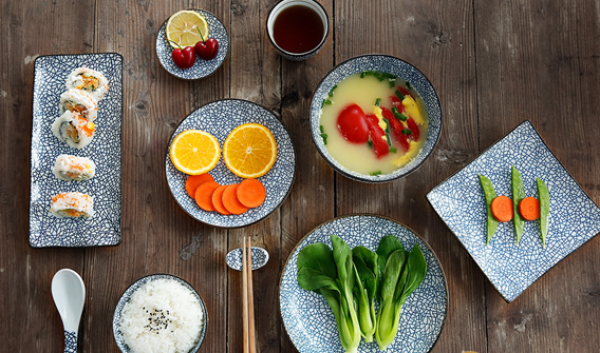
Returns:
<point x="201" y="68"/>
<point x="372" y="347"/>
<point x="504" y="295"/>
<point x="284" y="168"/>
<point x="126" y="295"/>
<point x="432" y="102"/>
<point x="78" y="240"/>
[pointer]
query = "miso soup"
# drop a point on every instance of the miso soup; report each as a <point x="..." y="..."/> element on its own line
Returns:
<point x="373" y="123"/>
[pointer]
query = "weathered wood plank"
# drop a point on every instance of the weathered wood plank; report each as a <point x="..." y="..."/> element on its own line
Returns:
<point x="538" y="60"/>
<point x="31" y="320"/>
<point x="436" y="37"/>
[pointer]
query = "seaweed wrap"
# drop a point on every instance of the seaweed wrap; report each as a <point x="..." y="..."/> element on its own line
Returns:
<point x="78" y="101"/>
<point x="72" y="204"/>
<point x="67" y="167"/>
<point x="91" y="81"/>
<point x="73" y="130"/>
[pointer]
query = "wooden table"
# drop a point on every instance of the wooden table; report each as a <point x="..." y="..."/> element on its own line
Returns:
<point x="493" y="63"/>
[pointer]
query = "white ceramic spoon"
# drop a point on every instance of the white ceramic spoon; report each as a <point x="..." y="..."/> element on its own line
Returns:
<point x="68" y="292"/>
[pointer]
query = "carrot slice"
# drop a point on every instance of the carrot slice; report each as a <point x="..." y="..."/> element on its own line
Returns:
<point x="502" y="208"/>
<point x="251" y="193"/>
<point x="529" y="208"/>
<point x="203" y="195"/>
<point x="193" y="181"/>
<point x="231" y="202"/>
<point x="217" y="200"/>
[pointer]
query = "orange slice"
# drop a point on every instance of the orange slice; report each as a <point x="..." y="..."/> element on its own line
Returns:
<point x="250" y="151"/>
<point x="195" y="152"/>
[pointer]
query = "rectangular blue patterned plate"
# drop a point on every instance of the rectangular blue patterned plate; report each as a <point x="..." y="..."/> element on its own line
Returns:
<point x="511" y="268"/>
<point x="105" y="150"/>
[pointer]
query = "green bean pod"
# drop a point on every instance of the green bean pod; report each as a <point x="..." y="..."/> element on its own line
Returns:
<point x="490" y="195"/>
<point x="518" y="193"/>
<point x="544" y="209"/>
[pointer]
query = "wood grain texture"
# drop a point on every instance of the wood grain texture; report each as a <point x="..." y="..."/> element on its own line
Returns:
<point x="538" y="60"/>
<point x="493" y="63"/>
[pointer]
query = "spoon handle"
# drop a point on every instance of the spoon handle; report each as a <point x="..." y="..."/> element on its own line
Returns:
<point x="70" y="342"/>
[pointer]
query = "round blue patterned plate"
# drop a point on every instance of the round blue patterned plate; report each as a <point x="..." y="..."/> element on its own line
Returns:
<point x="201" y="68"/>
<point x="126" y="297"/>
<point x="308" y="319"/>
<point x="219" y="118"/>
<point x="391" y="65"/>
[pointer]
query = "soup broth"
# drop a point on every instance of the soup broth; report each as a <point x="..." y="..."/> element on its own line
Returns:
<point x="385" y="97"/>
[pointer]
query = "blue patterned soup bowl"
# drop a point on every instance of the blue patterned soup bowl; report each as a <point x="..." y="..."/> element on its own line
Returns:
<point x="160" y="312"/>
<point x="397" y="80"/>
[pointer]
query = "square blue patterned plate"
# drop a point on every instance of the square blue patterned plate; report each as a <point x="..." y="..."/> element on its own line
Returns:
<point x="308" y="319"/>
<point x="219" y="118"/>
<point x="104" y="228"/>
<point x="511" y="268"/>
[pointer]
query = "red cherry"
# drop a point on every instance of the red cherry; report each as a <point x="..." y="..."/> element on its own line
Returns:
<point x="207" y="49"/>
<point x="183" y="58"/>
<point x="352" y="124"/>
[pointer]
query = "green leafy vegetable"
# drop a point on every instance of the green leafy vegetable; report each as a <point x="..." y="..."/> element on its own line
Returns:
<point x="367" y="273"/>
<point x="518" y="193"/>
<point x="490" y="195"/>
<point x="544" y="209"/>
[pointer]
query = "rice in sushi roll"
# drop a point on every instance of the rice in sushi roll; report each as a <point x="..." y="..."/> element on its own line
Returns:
<point x="78" y="101"/>
<point x="88" y="80"/>
<point x="72" y="204"/>
<point x="73" y="130"/>
<point x="68" y="168"/>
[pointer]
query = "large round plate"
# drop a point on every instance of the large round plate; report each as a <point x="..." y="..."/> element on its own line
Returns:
<point x="308" y="319"/>
<point x="219" y="118"/>
<point x="201" y="68"/>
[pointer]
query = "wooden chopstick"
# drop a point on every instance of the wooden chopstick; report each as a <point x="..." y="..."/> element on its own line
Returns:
<point x="248" y="298"/>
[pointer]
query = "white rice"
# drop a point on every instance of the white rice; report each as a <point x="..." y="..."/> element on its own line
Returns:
<point x="162" y="316"/>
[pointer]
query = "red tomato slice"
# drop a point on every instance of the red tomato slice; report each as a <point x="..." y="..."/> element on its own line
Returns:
<point x="396" y="132"/>
<point x="404" y="91"/>
<point x="380" y="146"/>
<point x="352" y="124"/>
<point x="414" y="128"/>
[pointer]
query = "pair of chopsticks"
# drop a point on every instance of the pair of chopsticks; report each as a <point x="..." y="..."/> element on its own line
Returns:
<point x="248" y="298"/>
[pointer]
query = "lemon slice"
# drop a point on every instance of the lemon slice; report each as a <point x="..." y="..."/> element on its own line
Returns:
<point x="195" y="152"/>
<point x="250" y="151"/>
<point x="182" y="28"/>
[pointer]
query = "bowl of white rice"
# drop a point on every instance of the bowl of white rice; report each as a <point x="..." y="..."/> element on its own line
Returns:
<point x="160" y="313"/>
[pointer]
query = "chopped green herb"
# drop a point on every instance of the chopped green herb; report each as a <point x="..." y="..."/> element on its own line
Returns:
<point x="331" y="91"/>
<point x="392" y="83"/>
<point x="408" y="85"/>
<point x="399" y="95"/>
<point x="324" y="137"/>
<point x="387" y="133"/>
<point x="379" y="76"/>
<point x="377" y="173"/>
<point x="406" y="131"/>
<point x="393" y="150"/>
<point x="370" y="144"/>
<point x="377" y="102"/>
<point x="321" y="128"/>
<point x="326" y="101"/>
<point x="398" y="115"/>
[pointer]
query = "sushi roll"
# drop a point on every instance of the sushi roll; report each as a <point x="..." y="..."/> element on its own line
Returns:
<point x="73" y="130"/>
<point x="93" y="82"/>
<point x="78" y="101"/>
<point x="68" y="167"/>
<point x="72" y="204"/>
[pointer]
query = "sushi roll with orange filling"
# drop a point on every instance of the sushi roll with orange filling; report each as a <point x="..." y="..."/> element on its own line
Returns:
<point x="73" y="130"/>
<point x="80" y="102"/>
<point x="72" y="204"/>
<point x="91" y="81"/>
<point x="68" y="168"/>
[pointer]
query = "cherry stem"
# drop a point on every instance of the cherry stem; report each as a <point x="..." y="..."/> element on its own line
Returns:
<point x="178" y="46"/>
<point x="201" y="36"/>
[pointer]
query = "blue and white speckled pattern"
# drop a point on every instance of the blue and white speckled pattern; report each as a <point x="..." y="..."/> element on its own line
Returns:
<point x="460" y="202"/>
<point x="308" y="319"/>
<point x="219" y="118"/>
<point x="390" y="65"/>
<point x="105" y="150"/>
<point x="126" y="297"/>
<point x="201" y="68"/>
<point x="260" y="257"/>
<point x="70" y="342"/>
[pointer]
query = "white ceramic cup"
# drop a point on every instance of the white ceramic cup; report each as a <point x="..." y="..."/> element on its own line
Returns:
<point x="276" y="10"/>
